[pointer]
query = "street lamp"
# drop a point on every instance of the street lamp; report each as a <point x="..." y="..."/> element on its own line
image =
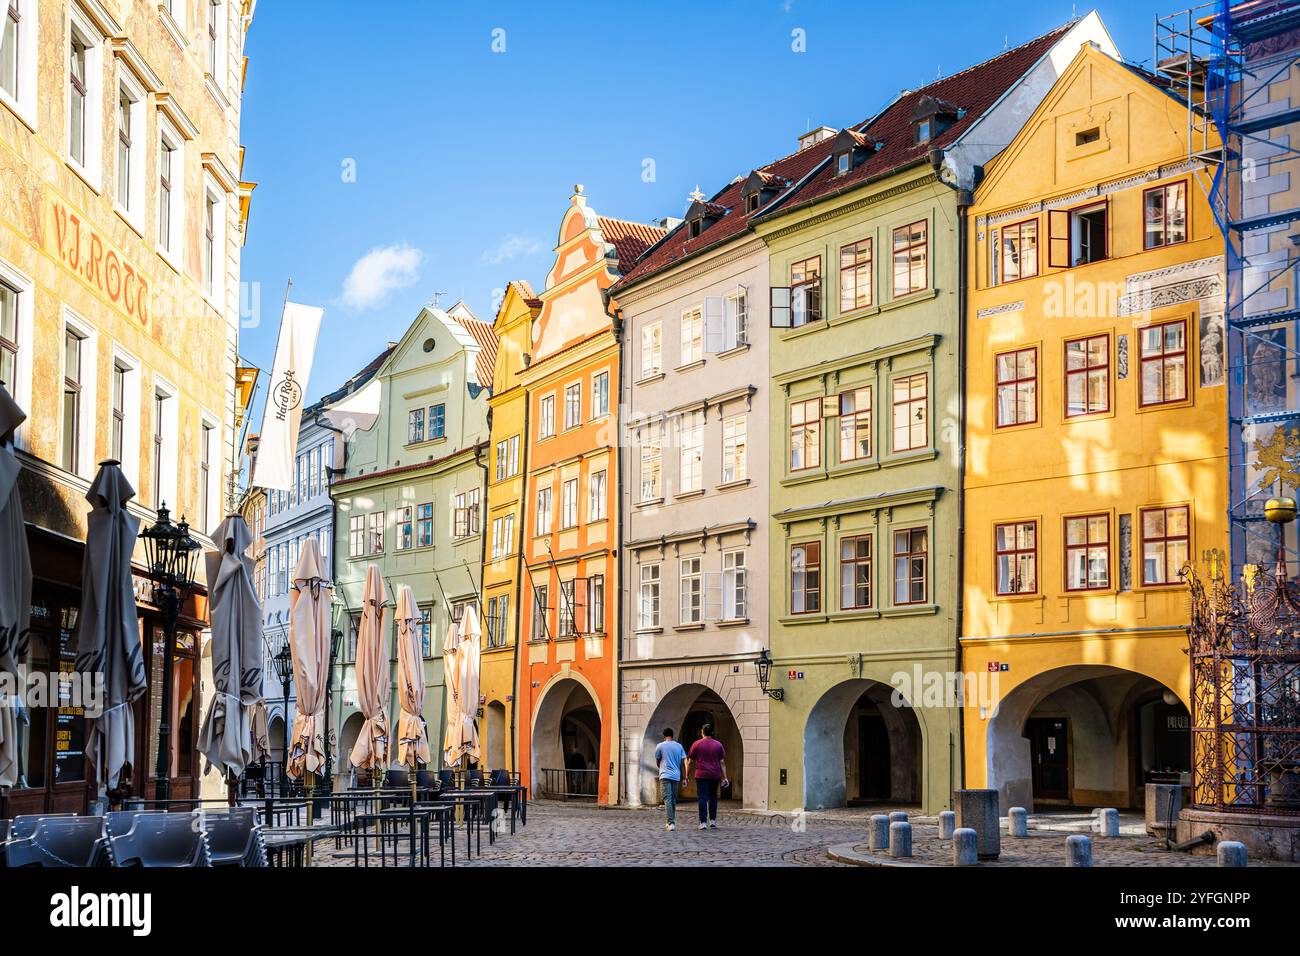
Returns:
<point x="282" y="662"/>
<point x="764" y="667"/>
<point x="173" y="558"/>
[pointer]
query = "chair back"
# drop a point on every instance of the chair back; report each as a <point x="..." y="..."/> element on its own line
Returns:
<point x="447" y="778"/>
<point x="60" y="842"/>
<point x="162" y="840"/>
<point x="117" y="822"/>
<point x="398" y="778"/>
<point x="500" y="778"/>
<point x="233" y="837"/>
<point x="25" y="825"/>
<point x="426" y="779"/>
<point x="473" y="778"/>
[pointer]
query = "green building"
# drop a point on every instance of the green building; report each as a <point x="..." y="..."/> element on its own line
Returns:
<point x="866" y="437"/>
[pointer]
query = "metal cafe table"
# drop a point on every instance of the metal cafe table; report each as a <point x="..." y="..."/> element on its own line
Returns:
<point x="287" y="846"/>
<point x="387" y="824"/>
<point x="478" y="806"/>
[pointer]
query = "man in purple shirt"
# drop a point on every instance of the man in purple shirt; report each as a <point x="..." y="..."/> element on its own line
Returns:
<point x="709" y="758"/>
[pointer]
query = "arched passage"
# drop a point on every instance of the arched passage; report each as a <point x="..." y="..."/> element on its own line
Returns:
<point x="494" y="751"/>
<point x="686" y="709"/>
<point x="347" y="740"/>
<point x="566" y="741"/>
<point x="1086" y="735"/>
<point x="860" y="748"/>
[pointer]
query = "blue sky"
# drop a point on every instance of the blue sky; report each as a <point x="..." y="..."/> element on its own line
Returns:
<point x="464" y="158"/>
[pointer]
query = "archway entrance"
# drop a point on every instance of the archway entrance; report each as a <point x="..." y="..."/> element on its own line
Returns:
<point x="1086" y="736"/>
<point x="494" y="752"/>
<point x="566" y="742"/>
<point x="347" y="740"/>
<point x="860" y="749"/>
<point x="686" y="709"/>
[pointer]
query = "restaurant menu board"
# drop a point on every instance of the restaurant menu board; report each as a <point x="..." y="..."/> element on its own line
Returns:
<point x="70" y="722"/>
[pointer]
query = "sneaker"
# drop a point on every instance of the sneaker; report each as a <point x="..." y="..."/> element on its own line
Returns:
<point x="713" y="824"/>
<point x="671" y="827"/>
<point x="702" y="826"/>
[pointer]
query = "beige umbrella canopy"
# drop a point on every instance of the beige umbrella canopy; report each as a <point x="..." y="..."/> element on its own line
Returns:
<point x="108" y="631"/>
<point x="309" y="636"/>
<point x="451" y="684"/>
<point x="412" y="743"/>
<point x="15" y="583"/>
<point x="261" y="732"/>
<point x="371" y="748"/>
<point x="462" y="734"/>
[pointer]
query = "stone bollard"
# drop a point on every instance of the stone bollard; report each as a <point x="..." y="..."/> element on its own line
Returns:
<point x="879" y="839"/>
<point x="1163" y="803"/>
<point x="900" y="839"/>
<point x="947" y="823"/>
<point x="1078" y="850"/>
<point x="1110" y="822"/>
<point x="898" y="816"/>
<point x="1231" y="853"/>
<point x="1018" y="822"/>
<point x="964" y="850"/>
<point x="978" y="810"/>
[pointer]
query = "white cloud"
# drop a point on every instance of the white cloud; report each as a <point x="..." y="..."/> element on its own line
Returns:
<point x="380" y="272"/>
<point x="512" y="247"/>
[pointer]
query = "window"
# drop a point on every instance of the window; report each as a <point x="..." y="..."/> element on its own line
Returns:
<point x="414" y="426"/>
<point x="805" y="578"/>
<point x="1087" y="376"/>
<point x="1164" y="215"/>
<point x="9" y="337"/>
<point x="426" y="633"/>
<point x="1019" y="250"/>
<point x="692" y="336"/>
<point x="651" y="456"/>
<point x="437" y="421"/>
<point x="1085" y="233"/>
<point x="805" y="434"/>
<point x="171" y="183"/>
<point x="1084" y="137"/>
<point x="546" y="417"/>
<point x="855" y="276"/>
<point x="207" y="487"/>
<point x="543" y="517"/>
<point x="736" y="320"/>
<point x="1017" y="387"/>
<point x="855" y="424"/>
<point x="735" y="584"/>
<point x="1015" y="548"/>
<point x="596" y="604"/>
<point x="910" y="412"/>
<point x="692" y="591"/>
<point x="326" y="463"/>
<point x="356" y="536"/>
<point x="1087" y="553"/>
<point x="573" y="405"/>
<point x="924" y="130"/>
<point x="508" y="458"/>
<point x="70" y="444"/>
<point x="313" y="472"/>
<point x="424" y="525"/>
<point x="569" y="504"/>
<point x="214" y="238"/>
<point x="598" y="492"/>
<point x="465" y="516"/>
<point x="911" y="272"/>
<point x="498" y="621"/>
<point x="910" y="559"/>
<point x="735" y="465"/>
<point x="751" y="202"/>
<point x="540" y="611"/>
<point x="377" y="533"/>
<point x="855" y="572"/>
<point x="651" y="350"/>
<point x="215" y="38"/>
<point x="568" y="597"/>
<point x="1166" y="544"/>
<point x="78" y="93"/>
<point x="10" y="51"/>
<point x="843" y="163"/>
<point x="405" y="528"/>
<point x="599" y="394"/>
<point x="117" y="434"/>
<point x="806" y="291"/>
<point x="1164" y="363"/>
<point x="648" y="607"/>
<point x="127" y="149"/>
<point x="692" y="452"/>
<point x="503" y="535"/>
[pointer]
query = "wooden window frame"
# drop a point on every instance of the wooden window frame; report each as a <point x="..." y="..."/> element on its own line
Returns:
<point x="854" y="270"/>
<point x="893" y="409"/>
<point x="1016" y="382"/>
<point x="855" y="562"/>
<point x="1019" y="228"/>
<point x="1164" y="540"/>
<point x="1014" y="552"/>
<point x="809" y="566"/>
<point x="1067" y="549"/>
<point x="923" y="244"/>
<point x="908" y="556"/>
<point x="852" y="417"/>
<point x="814" y="423"/>
<point x="1162" y="357"/>
<point x="1085" y="372"/>
<point x="812" y="285"/>
<point x="1164" y="214"/>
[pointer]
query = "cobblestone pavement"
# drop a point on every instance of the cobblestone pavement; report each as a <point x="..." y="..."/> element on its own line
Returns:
<point x="560" y="834"/>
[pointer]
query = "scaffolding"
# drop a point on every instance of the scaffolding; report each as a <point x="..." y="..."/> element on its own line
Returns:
<point x="1238" y="67"/>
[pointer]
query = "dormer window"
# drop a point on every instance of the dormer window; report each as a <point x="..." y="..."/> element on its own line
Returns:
<point x="924" y="131"/>
<point x="843" y="163"/>
<point x="761" y="188"/>
<point x="696" y="225"/>
<point x="931" y="117"/>
<point x="751" y="203"/>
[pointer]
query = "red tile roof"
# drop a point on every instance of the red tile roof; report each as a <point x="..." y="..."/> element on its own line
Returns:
<point x="974" y="90"/>
<point x="486" y="359"/>
<point x="678" y="245"/>
<point x="629" y="239"/>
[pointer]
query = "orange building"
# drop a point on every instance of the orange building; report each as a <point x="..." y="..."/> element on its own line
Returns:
<point x="569" y="612"/>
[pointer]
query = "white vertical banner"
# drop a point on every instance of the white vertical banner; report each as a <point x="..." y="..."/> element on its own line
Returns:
<point x="278" y="441"/>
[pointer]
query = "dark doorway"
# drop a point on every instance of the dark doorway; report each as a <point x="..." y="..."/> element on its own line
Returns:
<point x="873" y="754"/>
<point x="1049" y="751"/>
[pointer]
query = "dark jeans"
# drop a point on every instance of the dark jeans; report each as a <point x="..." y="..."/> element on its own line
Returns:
<point x="670" y="798"/>
<point x="706" y="792"/>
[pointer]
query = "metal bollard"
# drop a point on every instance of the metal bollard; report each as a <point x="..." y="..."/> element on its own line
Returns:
<point x="1078" y="850"/>
<point x="1018" y="822"/>
<point x="879" y="839"/>
<point x="900" y="839"/>
<point x="964" y="847"/>
<point x="947" y="824"/>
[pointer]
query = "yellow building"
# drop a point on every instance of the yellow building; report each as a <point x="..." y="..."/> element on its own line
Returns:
<point x="122" y="214"/>
<point x="1096" y="435"/>
<point x="507" y="464"/>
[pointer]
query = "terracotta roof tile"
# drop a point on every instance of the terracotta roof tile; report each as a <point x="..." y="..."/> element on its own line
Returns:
<point x="630" y="239"/>
<point x="486" y="359"/>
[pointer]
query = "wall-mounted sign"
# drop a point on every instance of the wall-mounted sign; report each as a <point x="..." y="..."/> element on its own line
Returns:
<point x="73" y="243"/>
<point x="794" y="675"/>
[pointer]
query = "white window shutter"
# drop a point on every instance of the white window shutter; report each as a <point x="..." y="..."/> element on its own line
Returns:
<point x="779" y="307"/>
<point x="729" y="595"/>
<point x="714" y="325"/>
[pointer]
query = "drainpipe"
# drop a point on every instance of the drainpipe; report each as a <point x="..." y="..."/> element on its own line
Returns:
<point x="624" y="572"/>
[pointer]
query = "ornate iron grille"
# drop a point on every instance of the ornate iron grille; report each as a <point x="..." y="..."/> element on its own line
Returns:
<point x="1244" y="645"/>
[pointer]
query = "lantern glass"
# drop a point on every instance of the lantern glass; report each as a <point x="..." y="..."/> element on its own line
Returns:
<point x="764" y="665"/>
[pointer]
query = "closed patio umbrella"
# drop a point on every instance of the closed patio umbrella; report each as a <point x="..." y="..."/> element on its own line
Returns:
<point x="467" y="655"/>
<point x="15" y="583"/>
<point x="226" y="737"/>
<point x="412" y="743"/>
<point x="309" y="637"/>
<point x="108" y="631"/>
<point x="261" y="732"/>
<point x="451" y="685"/>
<point x="371" y="749"/>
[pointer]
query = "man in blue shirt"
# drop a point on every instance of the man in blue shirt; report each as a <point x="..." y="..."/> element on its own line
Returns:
<point x="669" y="756"/>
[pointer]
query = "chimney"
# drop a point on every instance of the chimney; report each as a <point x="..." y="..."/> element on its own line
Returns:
<point x="668" y="223"/>
<point x="815" y="136"/>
